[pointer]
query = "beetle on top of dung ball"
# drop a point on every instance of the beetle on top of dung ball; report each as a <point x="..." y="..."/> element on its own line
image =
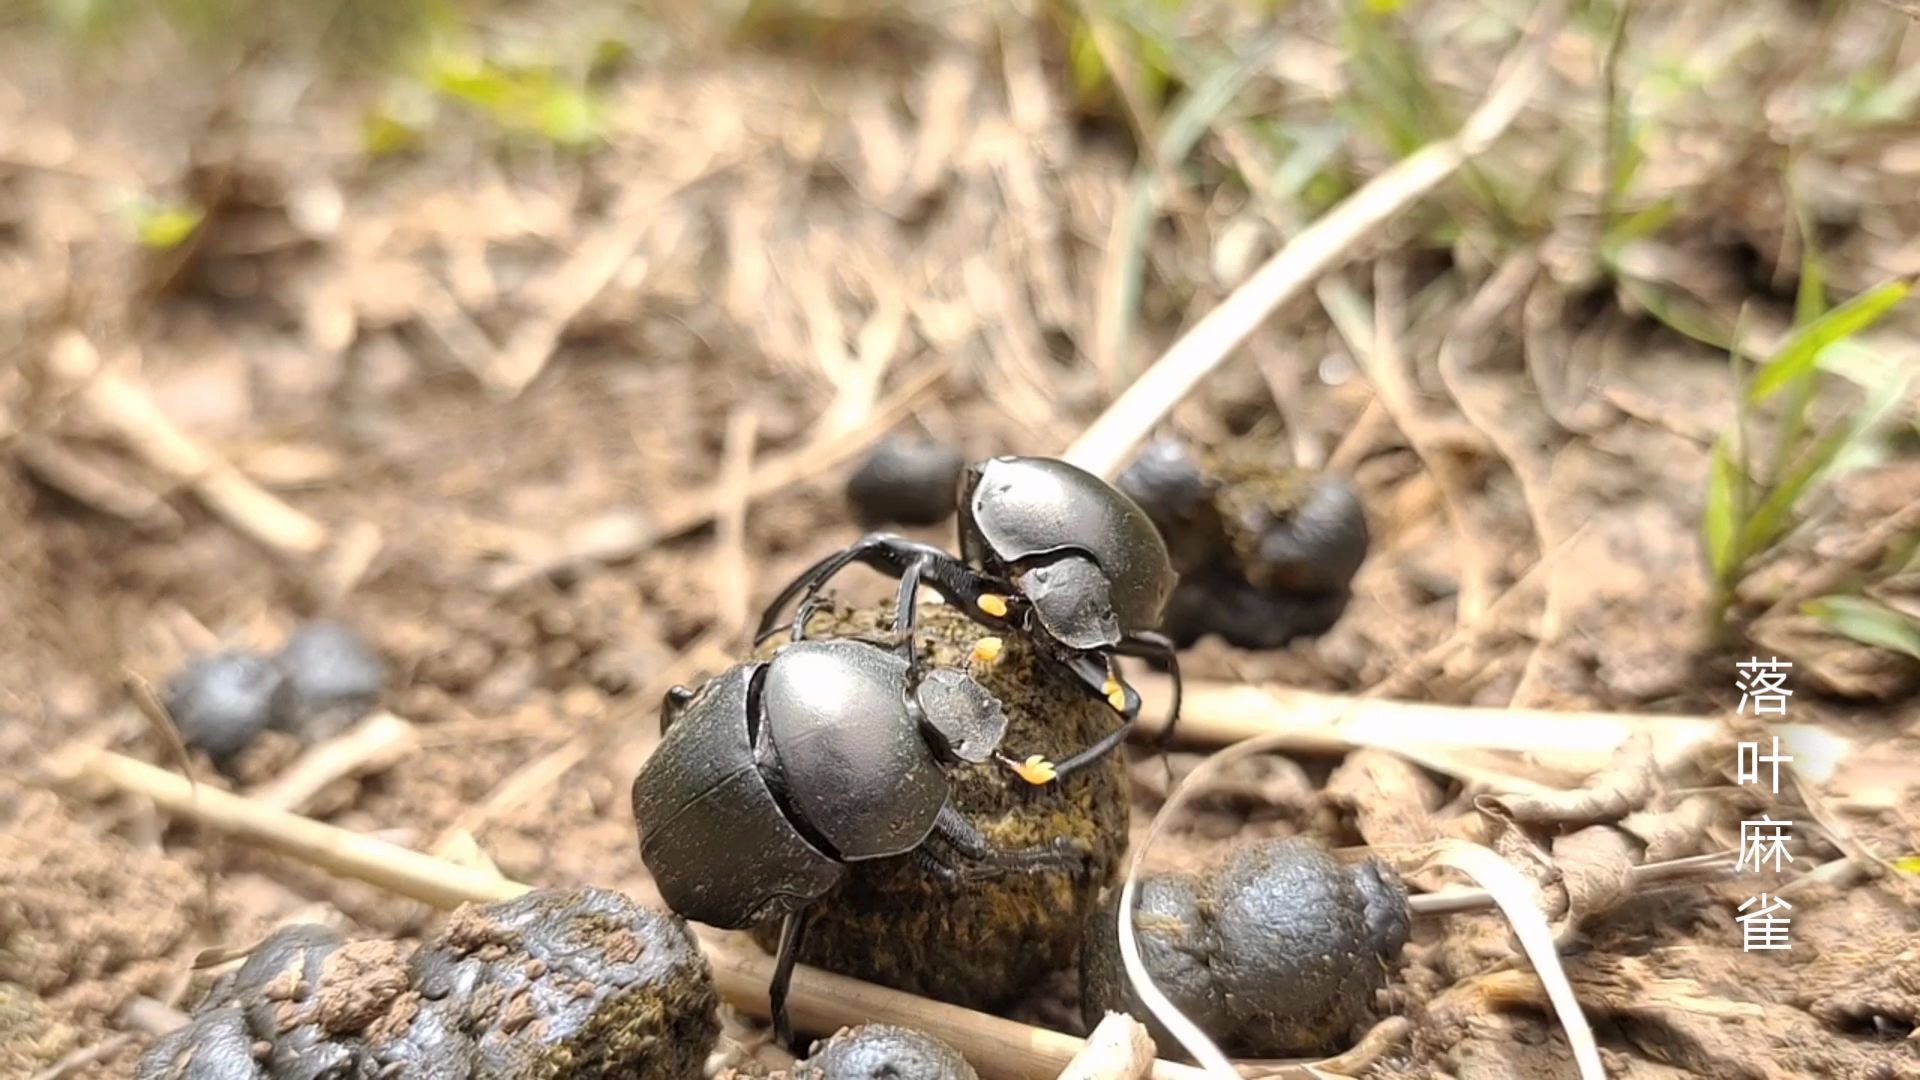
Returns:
<point x="1047" y="550"/>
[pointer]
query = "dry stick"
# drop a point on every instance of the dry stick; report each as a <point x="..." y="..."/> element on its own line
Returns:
<point x="1105" y="445"/>
<point x="1453" y="901"/>
<point x="80" y="480"/>
<point x="1118" y="1049"/>
<point x="689" y="514"/>
<point x="820" y="1001"/>
<point x="732" y="567"/>
<point x="1219" y="714"/>
<point x="377" y="742"/>
<point x="124" y="409"/>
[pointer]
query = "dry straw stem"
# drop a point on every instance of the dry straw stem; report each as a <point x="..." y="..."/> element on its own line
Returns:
<point x="124" y="409"/>
<point x="1118" y="1049"/>
<point x="820" y="1001"/>
<point x="377" y="742"/>
<point x="1221" y="713"/>
<point x="1106" y="445"/>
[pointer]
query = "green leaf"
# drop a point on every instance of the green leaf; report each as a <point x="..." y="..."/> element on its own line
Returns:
<point x="1796" y="356"/>
<point x="1721" y="524"/>
<point x="1867" y="622"/>
<point x="163" y="227"/>
<point x="382" y="133"/>
<point x="1676" y="312"/>
<point x="1083" y="59"/>
<point x="1636" y="226"/>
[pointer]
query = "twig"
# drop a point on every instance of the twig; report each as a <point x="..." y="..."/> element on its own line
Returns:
<point x="1219" y="713"/>
<point x="820" y="1001"/>
<point x="731" y="563"/>
<point x="1118" y="1049"/>
<point x="1106" y="444"/>
<point x="59" y="468"/>
<point x="689" y="514"/>
<point x="1453" y="901"/>
<point x="377" y="742"/>
<point x="125" y="409"/>
<point x="151" y="1016"/>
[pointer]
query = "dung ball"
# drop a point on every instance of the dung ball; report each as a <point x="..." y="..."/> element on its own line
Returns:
<point x="1277" y="951"/>
<point x="333" y="678"/>
<point x="985" y="942"/>
<point x="1266" y="552"/>
<point x="882" y="1052"/>
<point x="222" y="701"/>
<point x="579" y="984"/>
<point x="906" y="481"/>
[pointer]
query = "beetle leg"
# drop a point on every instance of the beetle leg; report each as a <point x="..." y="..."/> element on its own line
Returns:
<point x="884" y="552"/>
<point x="983" y="860"/>
<point x="1127" y="703"/>
<point x="1148" y="645"/>
<point x="1145" y="645"/>
<point x="788" y="953"/>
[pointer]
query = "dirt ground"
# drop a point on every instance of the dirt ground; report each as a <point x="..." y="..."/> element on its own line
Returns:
<point x="499" y="381"/>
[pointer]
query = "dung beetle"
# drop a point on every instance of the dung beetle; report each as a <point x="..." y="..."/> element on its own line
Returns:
<point x="1046" y="549"/>
<point x="778" y="773"/>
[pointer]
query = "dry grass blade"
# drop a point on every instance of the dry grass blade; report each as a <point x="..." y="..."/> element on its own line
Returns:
<point x="376" y="742"/>
<point x="731" y="561"/>
<point x="1103" y="448"/>
<point x="125" y="409"/>
<point x="1515" y="895"/>
<point x="820" y="1001"/>
<point x="1118" y="1049"/>
<point x="1220" y="714"/>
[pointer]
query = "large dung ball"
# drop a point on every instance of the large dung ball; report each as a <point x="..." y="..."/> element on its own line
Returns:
<point x="333" y="678"/>
<point x="883" y="1052"/>
<point x="575" y="984"/>
<point x="906" y="481"/>
<point x="1266" y="552"/>
<point x="222" y="701"/>
<point x="1278" y="951"/>
<point x="980" y="943"/>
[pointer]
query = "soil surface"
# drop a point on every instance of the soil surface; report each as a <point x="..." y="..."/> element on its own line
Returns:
<point x="794" y="238"/>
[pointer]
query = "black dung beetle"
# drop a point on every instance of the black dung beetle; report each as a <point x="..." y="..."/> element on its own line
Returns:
<point x="776" y="774"/>
<point x="1047" y="549"/>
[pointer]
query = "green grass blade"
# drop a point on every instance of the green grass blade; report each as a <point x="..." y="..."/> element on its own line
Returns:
<point x="1796" y="356"/>
<point x="1867" y="622"/>
<point x="1721" y="524"/>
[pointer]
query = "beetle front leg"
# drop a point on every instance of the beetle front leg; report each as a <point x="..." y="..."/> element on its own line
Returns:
<point x="983" y="860"/>
<point x="791" y="932"/>
<point x="884" y="552"/>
